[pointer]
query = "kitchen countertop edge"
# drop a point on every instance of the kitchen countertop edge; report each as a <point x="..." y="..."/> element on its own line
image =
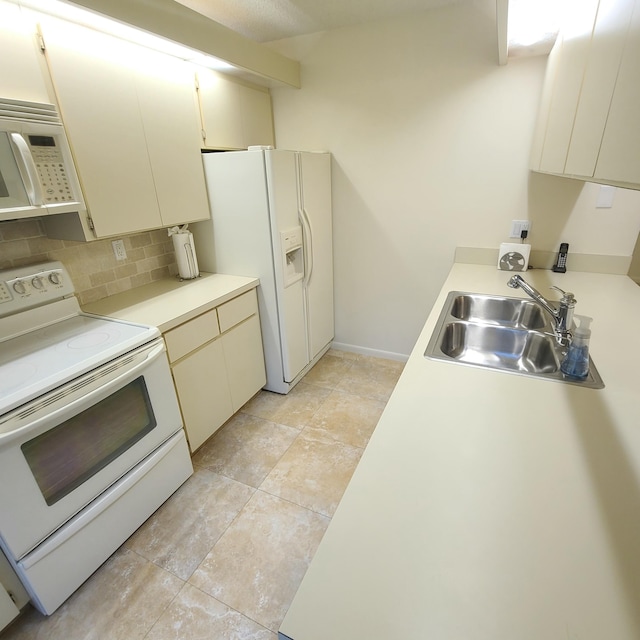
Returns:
<point x="488" y="505"/>
<point x="171" y="302"/>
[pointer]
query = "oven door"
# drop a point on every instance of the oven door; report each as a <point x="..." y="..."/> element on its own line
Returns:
<point x="61" y="451"/>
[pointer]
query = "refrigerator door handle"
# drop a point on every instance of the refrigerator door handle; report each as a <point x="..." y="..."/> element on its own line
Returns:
<point x="307" y="236"/>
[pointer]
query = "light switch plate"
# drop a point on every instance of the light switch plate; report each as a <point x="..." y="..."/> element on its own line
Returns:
<point x="605" y="197"/>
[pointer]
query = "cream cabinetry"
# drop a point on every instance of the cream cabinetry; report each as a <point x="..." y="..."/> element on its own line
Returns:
<point x="589" y="125"/>
<point x="8" y="609"/>
<point x="22" y="78"/>
<point x="619" y="157"/>
<point x="132" y="122"/>
<point x="234" y="116"/>
<point x="12" y="594"/>
<point x="217" y="363"/>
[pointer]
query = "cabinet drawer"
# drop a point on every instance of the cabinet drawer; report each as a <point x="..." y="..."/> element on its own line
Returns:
<point x="191" y="335"/>
<point x="235" y="311"/>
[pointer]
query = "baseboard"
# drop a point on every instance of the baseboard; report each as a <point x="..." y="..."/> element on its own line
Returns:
<point x="364" y="351"/>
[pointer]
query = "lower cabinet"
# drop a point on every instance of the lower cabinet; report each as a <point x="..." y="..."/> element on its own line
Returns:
<point x="203" y="391"/>
<point x="217" y="363"/>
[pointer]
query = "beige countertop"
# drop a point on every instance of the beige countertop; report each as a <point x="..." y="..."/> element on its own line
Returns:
<point x="168" y="303"/>
<point x="492" y="506"/>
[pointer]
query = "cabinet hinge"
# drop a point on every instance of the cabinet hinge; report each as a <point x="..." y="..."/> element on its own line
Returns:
<point x="90" y="223"/>
<point x="203" y="133"/>
<point x="43" y="46"/>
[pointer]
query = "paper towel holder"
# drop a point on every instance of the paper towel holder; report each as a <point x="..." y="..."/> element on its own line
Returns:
<point x="185" y="252"/>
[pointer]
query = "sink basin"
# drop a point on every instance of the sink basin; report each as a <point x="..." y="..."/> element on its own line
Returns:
<point x="513" y="335"/>
<point x="505" y="312"/>
<point x="499" y="347"/>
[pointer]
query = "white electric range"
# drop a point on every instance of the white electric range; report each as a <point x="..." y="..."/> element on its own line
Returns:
<point x="91" y="438"/>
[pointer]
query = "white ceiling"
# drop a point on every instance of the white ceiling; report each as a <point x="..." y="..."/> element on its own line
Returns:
<point x="268" y="20"/>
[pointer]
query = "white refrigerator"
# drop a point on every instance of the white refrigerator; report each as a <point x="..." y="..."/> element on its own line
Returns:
<point x="271" y="218"/>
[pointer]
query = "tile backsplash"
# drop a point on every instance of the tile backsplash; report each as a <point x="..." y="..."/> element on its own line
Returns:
<point x="93" y="266"/>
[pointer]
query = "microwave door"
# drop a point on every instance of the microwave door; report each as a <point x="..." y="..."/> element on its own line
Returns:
<point x="27" y="168"/>
<point x="13" y="194"/>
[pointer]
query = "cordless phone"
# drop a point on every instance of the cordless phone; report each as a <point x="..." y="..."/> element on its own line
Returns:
<point x="561" y="261"/>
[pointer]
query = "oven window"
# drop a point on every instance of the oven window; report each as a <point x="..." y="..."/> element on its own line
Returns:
<point x="66" y="456"/>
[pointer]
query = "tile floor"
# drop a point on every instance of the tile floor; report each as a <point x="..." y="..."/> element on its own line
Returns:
<point x="223" y="557"/>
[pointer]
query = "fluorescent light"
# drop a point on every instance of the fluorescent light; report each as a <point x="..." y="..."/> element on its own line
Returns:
<point x="101" y="23"/>
<point x="533" y="25"/>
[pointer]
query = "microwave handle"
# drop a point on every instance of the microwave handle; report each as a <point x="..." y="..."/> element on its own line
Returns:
<point x="27" y="168"/>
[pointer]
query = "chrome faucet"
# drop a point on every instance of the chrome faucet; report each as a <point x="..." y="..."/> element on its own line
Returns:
<point x="562" y="315"/>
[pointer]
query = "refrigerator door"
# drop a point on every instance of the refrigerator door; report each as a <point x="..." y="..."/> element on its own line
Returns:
<point x="237" y="239"/>
<point x="314" y="198"/>
<point x="282" y="190"/>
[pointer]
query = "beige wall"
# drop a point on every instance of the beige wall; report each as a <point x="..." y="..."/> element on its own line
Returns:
<point x="94" y="270"/>
<point x="431" y="141"/>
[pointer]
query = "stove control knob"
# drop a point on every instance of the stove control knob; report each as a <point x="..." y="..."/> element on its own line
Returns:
<point x="55" y="278"/>
<point x="38" y="283"/>
<point x="19" y="288"/>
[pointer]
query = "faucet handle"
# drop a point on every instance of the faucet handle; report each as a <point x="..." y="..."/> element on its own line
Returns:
<point x="567" y="296"/>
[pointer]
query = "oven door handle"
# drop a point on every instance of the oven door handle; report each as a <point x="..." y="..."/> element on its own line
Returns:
<point x="75" y="406"/>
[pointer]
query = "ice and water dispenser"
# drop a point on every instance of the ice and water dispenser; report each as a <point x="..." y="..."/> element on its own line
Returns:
<point x="292" y="255"/>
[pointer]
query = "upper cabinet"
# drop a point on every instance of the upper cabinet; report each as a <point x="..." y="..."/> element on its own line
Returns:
<point x="22" y="78"/>
<point x="234" y="116"/>
<point x="132" y="122"/>
<point x="136" y="120"/>
<point x="589" y="121"/>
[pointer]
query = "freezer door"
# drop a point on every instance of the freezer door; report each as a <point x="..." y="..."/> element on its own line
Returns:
<point x="282" y="174"/>
<point x="314" y="184"/>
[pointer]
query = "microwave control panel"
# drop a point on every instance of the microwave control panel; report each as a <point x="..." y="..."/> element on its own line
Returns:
<point x="51" y="169"/>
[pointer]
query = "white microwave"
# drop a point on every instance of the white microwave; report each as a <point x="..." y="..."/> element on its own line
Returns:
<point x="37" y="174"/>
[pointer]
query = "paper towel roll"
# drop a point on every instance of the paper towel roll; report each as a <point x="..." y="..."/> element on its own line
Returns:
<point x="185" y="255"/>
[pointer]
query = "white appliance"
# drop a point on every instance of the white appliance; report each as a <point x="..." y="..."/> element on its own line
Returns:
<point x="513" y="256"/>
<point x="271" y="218"/>
<point x="91" y="438"/>
<point x="37" y="174"/>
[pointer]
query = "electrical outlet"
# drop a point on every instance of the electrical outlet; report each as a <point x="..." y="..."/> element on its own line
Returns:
<point x="118" y="249"/>
<point x="518" y="226"/>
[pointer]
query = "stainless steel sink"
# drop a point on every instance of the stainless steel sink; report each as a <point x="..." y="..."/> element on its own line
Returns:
<point x="504" y="312"/>
<point x="497" y="332"/>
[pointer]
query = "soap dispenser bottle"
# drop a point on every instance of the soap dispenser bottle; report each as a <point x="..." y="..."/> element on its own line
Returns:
<point x="576" y="362"/>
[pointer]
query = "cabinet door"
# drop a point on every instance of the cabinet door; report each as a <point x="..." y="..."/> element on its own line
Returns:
<point x="569" y="72"/>
<point x="172" y="129"/>
<point x="22" y="78"/>
<point x="605" y="54"/>
<point x="245" y="360"/>
<point x="96" y="89"/>
<point x="220" y="108"/>
<point x="619" y="158"/>
<point x="8" y="610"/>
<point x="203" y="392"/>
<point x="234" y="116"/>
<point x="257" y="117"/>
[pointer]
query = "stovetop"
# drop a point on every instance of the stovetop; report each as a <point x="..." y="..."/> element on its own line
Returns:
<point x="52" y="342"/>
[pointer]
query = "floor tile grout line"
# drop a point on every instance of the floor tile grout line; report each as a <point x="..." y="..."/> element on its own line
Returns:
<point x="155" y="622"/>
<point x="348" y="366"/>
<point x="296" y="504"/>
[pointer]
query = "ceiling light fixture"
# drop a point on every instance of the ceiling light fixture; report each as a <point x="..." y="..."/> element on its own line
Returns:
<point x="101" y="23"/>
<point x="534" y="24"/>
